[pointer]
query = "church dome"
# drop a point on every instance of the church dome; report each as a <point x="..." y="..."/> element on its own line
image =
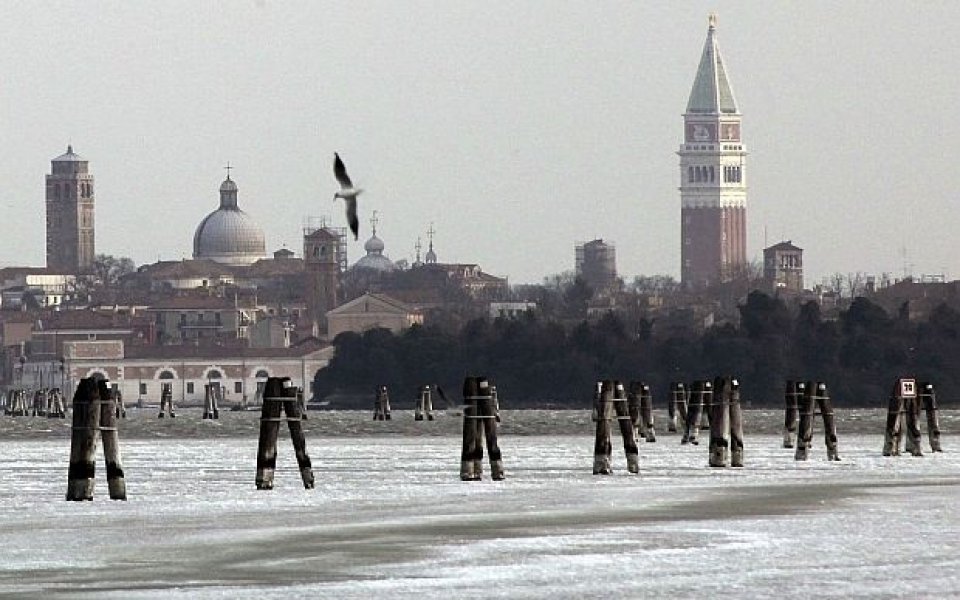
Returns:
<point x="375" y="260"/>
<point x="374" y="244"/>
<point x="228" y="235"/>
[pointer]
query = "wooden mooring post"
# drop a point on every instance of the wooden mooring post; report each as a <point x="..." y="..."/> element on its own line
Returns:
<point x="94" y="409"/>
<point x="424" y="404"/>
<point x="166" y="400"/>
<point x="928" y="395"/>
<point x="627" y="431"/>
<point x="602" y="409"/>
<point x="790" y="415"/>
<point x="825" y="405"/>
<point x="805" y="413"/>
<point x="640" y="403"/>
<point x="280" y="404"/>
<point x="720" y="422"/>
<point x="736" y="424"/>
<point x="694" y="408"/>
<point x="118" y="395"/>
<point x="633" y="407"/>
<point x="911" y="413"/>
<point x="903" y="389"/>
<point x="211" y="405"/>
<point x="646" y="431"/>
<point x="37" y="408"/>
<point x="55" y="407"/>
<point x="707" y="400"/>
<point x="381" y="404"/>
<point x="479" y="426"/>
<point x="677" y="408"/>
<point x="109" y="398"/>
<point x="611" y="404"/>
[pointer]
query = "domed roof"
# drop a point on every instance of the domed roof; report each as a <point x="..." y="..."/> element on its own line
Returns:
<point x="377" y="262"/>
<point x="228" y="185"/>
<point x="375" y="259"/>
<point x="228" y="235"/>
<point x="374" y="244"/>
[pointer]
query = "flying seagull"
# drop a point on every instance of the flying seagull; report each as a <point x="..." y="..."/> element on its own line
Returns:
<point x="348" y="193"/>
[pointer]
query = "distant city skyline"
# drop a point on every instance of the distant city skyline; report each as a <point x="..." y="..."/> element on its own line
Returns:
<point x="517" y="131"/>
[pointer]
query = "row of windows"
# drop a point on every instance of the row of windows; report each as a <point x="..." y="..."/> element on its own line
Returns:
<point x="731" y="174"/>
<point x="217" y="318"/>
<point x="237" y="388"/>
<point x="212" y="374"/>
<point x="701" y="174"/>
<point x="733" y="147"/>
<point x="704" y="148"/>
<point x="69" y="190"/>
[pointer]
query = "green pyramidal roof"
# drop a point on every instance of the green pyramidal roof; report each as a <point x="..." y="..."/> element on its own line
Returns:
<point x="711" y="93"/>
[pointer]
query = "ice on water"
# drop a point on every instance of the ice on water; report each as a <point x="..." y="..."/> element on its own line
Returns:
<point x="389" y="518"/>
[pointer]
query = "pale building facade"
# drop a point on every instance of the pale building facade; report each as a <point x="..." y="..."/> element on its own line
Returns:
<point x="371" y="311"/>
<point x="139" y="372"/>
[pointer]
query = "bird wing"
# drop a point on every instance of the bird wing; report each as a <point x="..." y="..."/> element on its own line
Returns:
<point x="340" y="172"/>
<point x="352" y="216"/>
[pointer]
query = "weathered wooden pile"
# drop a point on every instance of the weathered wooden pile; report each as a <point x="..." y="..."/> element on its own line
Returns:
<point x="424" y="404"/>
<point x="280" y="403"/>
<point x="97" y="409"/>
<point x="903" y="412"/>
<point x="94" y="410"/>
<point x="381" y="404"/>
<point x="480" y="416"/>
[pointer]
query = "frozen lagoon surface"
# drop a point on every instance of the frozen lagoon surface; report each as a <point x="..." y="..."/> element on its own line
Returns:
<point x="390" y="519"/>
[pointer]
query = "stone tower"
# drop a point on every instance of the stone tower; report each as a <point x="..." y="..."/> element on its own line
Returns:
<point x="70" y="194"/>
<point x="324" y="257"/>
<point x="713" y="189"/>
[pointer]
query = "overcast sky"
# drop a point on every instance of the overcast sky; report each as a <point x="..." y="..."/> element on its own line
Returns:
<point x="517" y="128"/>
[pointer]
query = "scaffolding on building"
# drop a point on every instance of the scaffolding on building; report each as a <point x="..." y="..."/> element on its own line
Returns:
<point x="312" y="224"/>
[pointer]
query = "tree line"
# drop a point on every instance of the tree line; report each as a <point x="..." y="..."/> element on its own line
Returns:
<point x="537" y="362"/>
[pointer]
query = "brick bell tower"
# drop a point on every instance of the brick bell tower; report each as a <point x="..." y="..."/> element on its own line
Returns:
<point x="713" y="189"/>
<point x="70" y="200"/>
<point x="324" y="259"/>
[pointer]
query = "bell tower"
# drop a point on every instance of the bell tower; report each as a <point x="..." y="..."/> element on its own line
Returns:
<point x="70" y="200"/>
<point x="324" y="258"/>
<point x="713" y="188"/>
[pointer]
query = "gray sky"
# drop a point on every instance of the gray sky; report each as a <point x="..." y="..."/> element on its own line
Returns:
<point x="518" y="128"/>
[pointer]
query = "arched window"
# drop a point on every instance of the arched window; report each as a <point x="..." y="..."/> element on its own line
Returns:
<point x="712" y="175"/>
<point x="214" y="374"/>
<point x="690" y="174"/>
<point x="262" y="374"/>
<point x="166" y="375"/>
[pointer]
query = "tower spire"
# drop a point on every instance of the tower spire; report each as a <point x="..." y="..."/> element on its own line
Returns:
<point x="712" y="92"/>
